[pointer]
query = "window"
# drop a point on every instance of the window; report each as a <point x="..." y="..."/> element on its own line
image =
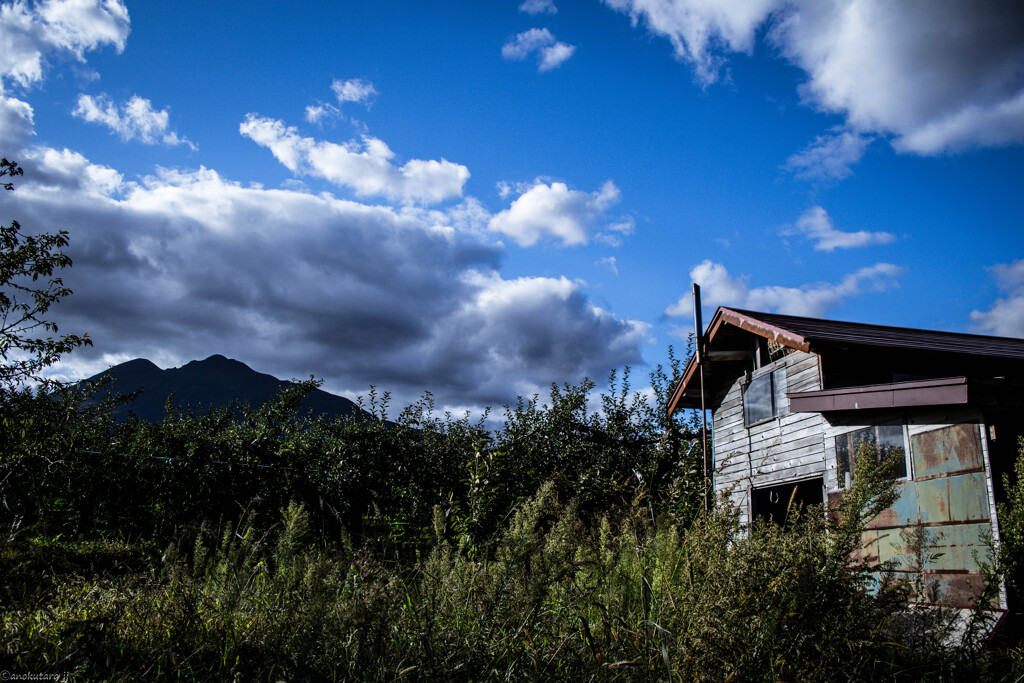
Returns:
<point x="764" y="397"/>
<point x="888" y="438"/>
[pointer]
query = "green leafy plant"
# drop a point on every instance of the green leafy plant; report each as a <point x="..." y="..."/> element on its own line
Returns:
<point x="28" y="288"/>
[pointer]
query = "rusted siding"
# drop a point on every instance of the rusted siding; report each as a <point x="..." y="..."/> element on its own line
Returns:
<point x="941" y="452"/>
<point x="947" y="494"/>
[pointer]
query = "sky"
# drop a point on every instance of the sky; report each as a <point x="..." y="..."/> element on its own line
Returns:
<point x="481" y="198"/>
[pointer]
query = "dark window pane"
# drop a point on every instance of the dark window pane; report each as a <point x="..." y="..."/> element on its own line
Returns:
<point x="757" y="400"/>
<point x="779" y="391"/>
<point x="888" y="438"/>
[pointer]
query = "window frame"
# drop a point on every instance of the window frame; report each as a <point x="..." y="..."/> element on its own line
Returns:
<point x="775" y="393"/>
<point x="841" y="473"/>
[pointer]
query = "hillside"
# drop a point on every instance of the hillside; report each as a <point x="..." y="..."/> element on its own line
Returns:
<point x="200" y="384"/>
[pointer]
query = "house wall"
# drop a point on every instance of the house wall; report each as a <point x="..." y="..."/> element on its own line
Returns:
<point x="784" y="449"/>
<point x="948" y="493"/>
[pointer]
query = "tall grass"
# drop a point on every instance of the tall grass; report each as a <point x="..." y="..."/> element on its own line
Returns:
<point x="559" y="595"/>
<point x="566" y="546"/>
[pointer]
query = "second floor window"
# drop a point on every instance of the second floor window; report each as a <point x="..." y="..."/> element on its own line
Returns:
<point x="764" y="397"/>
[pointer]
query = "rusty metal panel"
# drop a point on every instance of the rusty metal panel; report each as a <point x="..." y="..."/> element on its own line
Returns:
<point x="958" y="547"/>
<point x="943" y="451"/>
<point x="889" y="547"/>
<point x="902" y="513"/>
<point x="968" y="497"/>
<point x="906" y="506"/>
<point x="951" y="548"/>
<point x="933" y="501"/>
<point x="960" y="498"/>
<point x="868" y="551"/>
<point x="959" y="590"/>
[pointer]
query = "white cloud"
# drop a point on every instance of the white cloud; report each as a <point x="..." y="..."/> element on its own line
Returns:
<point x="698" y="29"/>
<point x="16" y="124"/>
<point x="556" y="212"/>
<point x="935" y="77"/>
<point x="535" y="7"/>
<point x="816" y="225"/>
<point x="551" y="53"/>
<point x="64" y="171"/>
<point x="353" y="90"/>
<point x="610" y="263"/>
<point x="65" y="27"/>
<point x="134" y="120"/>
<point x="364" y="166"/>
<point x="718" y="288"/>
<point x="186" y="263"/>
<point x="829" y="157"/>
<point x="315" y="113"/>
<point x="1006" y="316"/>
<point x="553" y="56"/>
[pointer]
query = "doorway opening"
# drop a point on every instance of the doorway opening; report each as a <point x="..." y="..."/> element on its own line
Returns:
<point x="776" y="503"/>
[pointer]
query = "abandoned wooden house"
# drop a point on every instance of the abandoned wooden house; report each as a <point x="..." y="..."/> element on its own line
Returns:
<point x="791" y="397"/>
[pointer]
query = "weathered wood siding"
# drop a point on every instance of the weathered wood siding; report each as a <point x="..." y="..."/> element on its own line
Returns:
<point x="786" y="448"/>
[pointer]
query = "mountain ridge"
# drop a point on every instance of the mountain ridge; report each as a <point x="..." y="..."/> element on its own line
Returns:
<point x="213" y="382"/>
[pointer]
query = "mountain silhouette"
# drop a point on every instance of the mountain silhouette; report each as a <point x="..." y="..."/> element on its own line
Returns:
<point x="202" y="384"/>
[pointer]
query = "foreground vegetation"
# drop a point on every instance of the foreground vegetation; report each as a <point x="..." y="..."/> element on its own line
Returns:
<point x="254" y="545"/>
<point x="245" y="543"/>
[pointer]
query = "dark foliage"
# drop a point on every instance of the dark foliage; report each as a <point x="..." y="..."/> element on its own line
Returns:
<point x="28" y="288"/>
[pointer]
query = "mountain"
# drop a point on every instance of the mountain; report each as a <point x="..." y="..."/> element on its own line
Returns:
<point x="200" y="384"/>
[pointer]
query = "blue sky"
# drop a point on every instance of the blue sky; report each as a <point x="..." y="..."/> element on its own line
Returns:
<point x="480" y="199"/>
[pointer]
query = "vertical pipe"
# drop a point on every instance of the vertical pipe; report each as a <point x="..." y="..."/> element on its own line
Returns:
<point x="699" y="328"/>
<point x="704" y="439"/>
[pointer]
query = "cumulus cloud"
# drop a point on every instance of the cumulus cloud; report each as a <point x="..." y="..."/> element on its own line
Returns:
<point x="815" y="224"/>
<point x="699" y="29"/>
<point x="67" y="28"/>
<point x="934" y="77"/>
<point x="184" y="264"/>
<point x="553" y="211"/>
<point x="535" y="7"/>
<point x="550" y="52"/>
<point x="63" y="171"/>
<point x="365" y="166"/>
<point x="719" y="288"/>
<point x="529" y="328"/>
<point x="16" y="124"/>
<point x="353" y="90"/>
<point x="133" y="120"/>
<point x="1006" y="316"/>
<point x="829" y="157"/>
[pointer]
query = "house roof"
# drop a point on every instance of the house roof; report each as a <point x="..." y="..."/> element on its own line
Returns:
<point x="728" y="335"/>
<point x="816" y="330"/>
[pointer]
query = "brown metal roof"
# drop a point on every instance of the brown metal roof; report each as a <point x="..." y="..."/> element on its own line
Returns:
<point x="833" y="331"/>
<point x="811" y="334"/>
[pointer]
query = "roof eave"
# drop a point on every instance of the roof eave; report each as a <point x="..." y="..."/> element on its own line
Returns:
<point x="727" y="316"/>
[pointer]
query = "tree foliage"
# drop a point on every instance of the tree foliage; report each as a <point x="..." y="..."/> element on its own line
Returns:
<point x="28" y="287"/>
